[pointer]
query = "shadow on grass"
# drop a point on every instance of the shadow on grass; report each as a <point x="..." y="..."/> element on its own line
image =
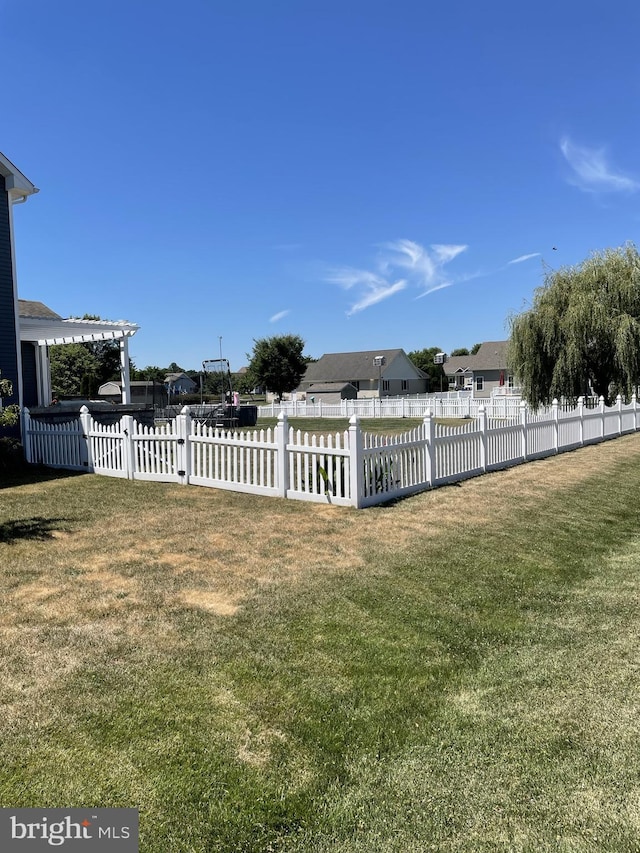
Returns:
<point x="31" y="474"/>
<point x="30" y="528"/>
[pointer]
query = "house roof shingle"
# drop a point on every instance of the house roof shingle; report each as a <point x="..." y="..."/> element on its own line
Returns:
<point x="36" y="310"/>
<point x="492" y="355"/>
<point x="174" y="377"/>
<point x="326" y="387"/>
<point x="351" y="366"/>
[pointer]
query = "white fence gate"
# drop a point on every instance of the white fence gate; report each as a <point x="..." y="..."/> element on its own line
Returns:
<point x="349" y="468"/>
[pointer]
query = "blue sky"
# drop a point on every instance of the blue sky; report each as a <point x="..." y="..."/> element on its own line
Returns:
<point x="367" y="175"/>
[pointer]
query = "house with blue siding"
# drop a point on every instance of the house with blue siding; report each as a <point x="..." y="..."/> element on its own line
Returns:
<point x="15" y="189"/>
<point x="28" y="328"/>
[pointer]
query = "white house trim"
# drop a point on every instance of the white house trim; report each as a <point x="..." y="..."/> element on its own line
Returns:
<point x="17" y="185"/>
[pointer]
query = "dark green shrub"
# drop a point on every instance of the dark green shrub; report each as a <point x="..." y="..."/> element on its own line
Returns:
<point x="11" y="456"/>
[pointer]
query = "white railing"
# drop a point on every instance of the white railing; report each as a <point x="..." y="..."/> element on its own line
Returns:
<point x="349" y="468"/>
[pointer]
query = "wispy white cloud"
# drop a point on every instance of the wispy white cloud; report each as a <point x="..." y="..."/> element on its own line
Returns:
<point x="375" y="295"/>
<point x="402" y="263"/>
<point x="523" y="258"/>
<point x="446" y="253"/>
<point x="437" y="287"/>
<point x="349" y="277"/>
<point x="372" y="286"/>
<point x="412" y="257"/>
<point x="279" y="316"/>
<point x="591" y="170"/>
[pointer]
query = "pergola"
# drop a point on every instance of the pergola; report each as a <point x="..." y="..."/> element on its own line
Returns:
<point x="50" y="330"/>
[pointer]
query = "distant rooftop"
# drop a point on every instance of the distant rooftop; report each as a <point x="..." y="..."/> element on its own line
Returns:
<point x="36" y="310"/>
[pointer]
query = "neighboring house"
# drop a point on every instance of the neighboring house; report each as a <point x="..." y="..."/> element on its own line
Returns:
<point x="15" y="189"/>
<point x="485" y="374"/>
<point x="340" y="374"/>
<point x="179" y="383"/>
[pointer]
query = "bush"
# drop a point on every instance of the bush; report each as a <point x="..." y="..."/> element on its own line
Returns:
<point x="11" y="456"/>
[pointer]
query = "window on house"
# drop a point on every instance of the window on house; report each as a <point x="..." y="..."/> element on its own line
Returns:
<point x="385" y="384"/>
<point x="510" y="382"/>
<point x="479" y="383"/>
<point x="405" y="384"/>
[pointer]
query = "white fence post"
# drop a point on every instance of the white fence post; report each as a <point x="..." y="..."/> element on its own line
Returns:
<point x="581" y="416"/>
<point x="127" y="426"/>
<point x="524" y="410"/>
<point x="282" y="430"/>
<point x="183" y="452"/>
<point x="619" y="407"/>
<point x="555" y="413"/>
<point x="26" y="435"/>
<point x="429" y="448"/>
<point x="356" y="464"/>
<point x="602" y="418"/>
<point x="482" y="419"/>
<point x="634" y="404"/>
<point x="86" y="422"/>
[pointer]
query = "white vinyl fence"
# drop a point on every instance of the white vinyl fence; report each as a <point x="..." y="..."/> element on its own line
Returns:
<point x="349" y="468"/>
<point x="445" y="405"/>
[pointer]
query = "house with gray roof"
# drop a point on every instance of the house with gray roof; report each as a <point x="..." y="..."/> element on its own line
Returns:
<point x="180" y="383"/>
<point x="485" y="374"/>
<point x="372" y="373"/>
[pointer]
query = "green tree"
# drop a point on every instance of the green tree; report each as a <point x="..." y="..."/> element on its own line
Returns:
<point x="277" y="363"/>
<point x="150" y="373"/>
<point x="424" y="359"/>
<point x="243" y="383"/>
<point x="582" y="331"/>
<point x="80" y="369"/>
<point x="464" y="351"/>
<point x="74" y="370"/>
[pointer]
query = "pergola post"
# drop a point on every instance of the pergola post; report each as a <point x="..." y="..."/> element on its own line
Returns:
<point x="43" y="375"/>
<point x="124" y="369"/>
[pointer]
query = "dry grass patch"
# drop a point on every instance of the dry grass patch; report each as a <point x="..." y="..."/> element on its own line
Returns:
<point x="199" y="545"/>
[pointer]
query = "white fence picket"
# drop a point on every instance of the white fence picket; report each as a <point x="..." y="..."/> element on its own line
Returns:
<point x="155" y="452"/>
<point x="318" y="467"/>
<point x="58" y="445"/>
<point x="240" y="461"/>
<point x="107" y="449"/>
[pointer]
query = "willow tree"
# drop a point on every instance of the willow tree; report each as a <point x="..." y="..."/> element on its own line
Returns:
<point x="582" y="333"/>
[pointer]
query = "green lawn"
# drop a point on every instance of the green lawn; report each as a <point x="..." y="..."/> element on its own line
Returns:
<point x="455" y="672"/>
<point x="379" y="426"/>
